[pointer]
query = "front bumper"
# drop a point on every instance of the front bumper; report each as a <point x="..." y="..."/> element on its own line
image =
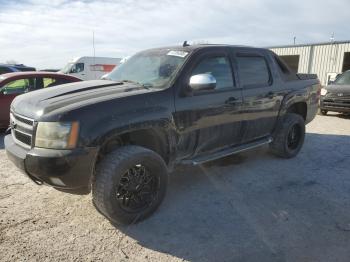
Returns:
<point x="341" y="105"/>
<point x="66" y="170"/>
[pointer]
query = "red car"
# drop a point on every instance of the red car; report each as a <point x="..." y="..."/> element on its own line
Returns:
<point x="14" y="84"/>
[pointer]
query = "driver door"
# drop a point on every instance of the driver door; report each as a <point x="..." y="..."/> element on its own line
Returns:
<point x="208" y="120"/>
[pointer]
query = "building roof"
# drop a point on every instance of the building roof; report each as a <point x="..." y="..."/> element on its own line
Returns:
<point x="312" y="44"/>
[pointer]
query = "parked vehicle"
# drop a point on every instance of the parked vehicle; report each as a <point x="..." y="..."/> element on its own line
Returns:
<point x="336" y="96"/>
<point x="9" y="68"/>
<point x="89" y="67"/>
<point x="14" y="84"/>
<point x="49" y="70"/>
<point x="164" y="107"/>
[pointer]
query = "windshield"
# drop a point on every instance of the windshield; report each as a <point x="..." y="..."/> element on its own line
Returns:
<point x="343" y="79"/>
<point x="67" y="68"/>
<point x="153" y="68"/>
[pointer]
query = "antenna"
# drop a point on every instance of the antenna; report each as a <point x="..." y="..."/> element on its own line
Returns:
<point x="93" y="46"/>
<point x="93" y="42"/>
<point x="295" y="38"/>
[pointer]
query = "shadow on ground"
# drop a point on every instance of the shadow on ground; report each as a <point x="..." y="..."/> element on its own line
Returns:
<point x="255" y="207"/>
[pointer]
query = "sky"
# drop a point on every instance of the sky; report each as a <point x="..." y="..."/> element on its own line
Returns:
<point x="46" y="34"/>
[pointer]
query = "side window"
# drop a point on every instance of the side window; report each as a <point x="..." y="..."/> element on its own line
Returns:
<point x="4" y="70"/>
<point x="47" y="82"/>
<point x="220" y="68"/>
<point x="253" y="71"/>
<point x="18" y="87"/>
<point x="285" y="72"/>
<point x="77" y="68"/>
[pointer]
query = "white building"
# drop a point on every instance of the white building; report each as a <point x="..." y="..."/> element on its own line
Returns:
<point x="324" y="59"/>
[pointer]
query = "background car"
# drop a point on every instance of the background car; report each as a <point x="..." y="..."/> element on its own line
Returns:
<point x="14" y="84"/>
<point x="336" y="96"/>
<point x="9" y="68"/>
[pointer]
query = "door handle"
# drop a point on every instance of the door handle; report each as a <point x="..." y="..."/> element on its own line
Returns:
<point x="231" y="101"/>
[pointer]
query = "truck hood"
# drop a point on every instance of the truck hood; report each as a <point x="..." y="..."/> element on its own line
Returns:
<point x="70" y="96"/>
<point x="345" y="89"/>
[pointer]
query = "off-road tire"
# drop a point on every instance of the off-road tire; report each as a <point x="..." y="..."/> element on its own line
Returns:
<point x="107" y="178"/>
<point x="279" y="146"/>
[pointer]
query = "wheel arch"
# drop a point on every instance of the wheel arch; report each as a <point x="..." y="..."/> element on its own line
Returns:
<point x="153" y="138"/>
<point x="299" y="108"/>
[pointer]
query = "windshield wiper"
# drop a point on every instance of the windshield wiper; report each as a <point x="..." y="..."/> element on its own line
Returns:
<point x="146" y="86"/>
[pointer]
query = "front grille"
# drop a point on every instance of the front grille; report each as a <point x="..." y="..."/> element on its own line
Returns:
<point x="336" y="103"/>
<point x="22" y="129"/>
<point x="24" y="138"/>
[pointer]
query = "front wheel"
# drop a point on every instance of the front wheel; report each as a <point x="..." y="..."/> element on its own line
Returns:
<point x="289" y="137"/>
<point x="129" y="184"/>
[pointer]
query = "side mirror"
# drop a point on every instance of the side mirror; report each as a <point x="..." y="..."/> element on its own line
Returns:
<point x="202" y="82"/>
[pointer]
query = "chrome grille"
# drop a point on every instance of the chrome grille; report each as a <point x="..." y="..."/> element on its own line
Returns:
<point x="22" y="129"/>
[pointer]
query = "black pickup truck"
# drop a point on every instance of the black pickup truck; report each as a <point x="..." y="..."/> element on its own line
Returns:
<point x="120" y="138"/>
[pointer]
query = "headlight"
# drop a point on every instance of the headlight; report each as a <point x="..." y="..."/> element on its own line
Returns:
<point x="323" y="91"/>
<point x="57" y="135"/>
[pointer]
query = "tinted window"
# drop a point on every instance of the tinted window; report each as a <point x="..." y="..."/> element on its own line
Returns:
<point x="253" y="70"/>
<point x="4" y="70"/>
<point x="219" y="67"/>
<point x="284" y="70"/>
<point x="25" y="69"/>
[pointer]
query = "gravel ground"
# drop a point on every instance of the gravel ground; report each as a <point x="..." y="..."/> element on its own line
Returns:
<point x="247" y="207"/>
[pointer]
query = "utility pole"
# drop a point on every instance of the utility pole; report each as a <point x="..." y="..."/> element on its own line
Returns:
<point x="295" y="38"/>
<point x="93" y="46"/>
<point x="93" y="42"/>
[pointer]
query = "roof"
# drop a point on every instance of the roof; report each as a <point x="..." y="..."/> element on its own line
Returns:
<point x="36" y="73"/>
<point x="16" y="65"/>
<point x="191" y="48"/>
<point x="312" y="44"/>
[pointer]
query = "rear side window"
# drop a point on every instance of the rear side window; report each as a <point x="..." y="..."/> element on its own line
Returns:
<point x="285" y="72"/>
<point x="220" y="68"/>
<point x="4" y="70"/>
<point x="48" y="82"/>
<point x="253" y="71"/>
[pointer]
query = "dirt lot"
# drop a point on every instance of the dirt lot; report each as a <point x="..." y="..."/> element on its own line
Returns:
<point x="248" y="207"/>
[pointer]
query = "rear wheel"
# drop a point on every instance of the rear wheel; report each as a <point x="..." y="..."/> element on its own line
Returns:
<point x="129" y="185"/>
<point x="289" y="136"/>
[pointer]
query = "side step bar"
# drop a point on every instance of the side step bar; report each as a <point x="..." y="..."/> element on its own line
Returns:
<point x="226" y="152"/>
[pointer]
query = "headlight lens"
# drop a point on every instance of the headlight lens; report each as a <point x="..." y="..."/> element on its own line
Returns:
<point x="57" y="135"/>
<point x="323" y="91"/>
